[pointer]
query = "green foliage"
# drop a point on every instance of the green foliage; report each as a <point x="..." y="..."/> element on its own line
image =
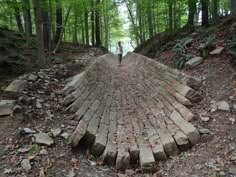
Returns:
<point x="232" y="47"/>
<point x="34" y="149"/>
<point x="206" y="45"/>
<point x="181" y="55"/>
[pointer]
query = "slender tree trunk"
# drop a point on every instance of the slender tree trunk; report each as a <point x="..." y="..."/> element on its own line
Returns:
<point x="106" y="25"/>
<point x="170" y="6"/>
<point x="45" y="20"/>
<point x="92" y="23"/>
<point x="75" y="39"/>
<point x="39" y="33"/>
<point x="215" y="4"/>
<point x="135" y="28"/>
<point x="233" y="7"/>
<point x="50" y="25"/>
<point x="97" y="22"/>
<point x="205" y="4"/>
<point x="192" y="11"/>
<point x="27" y="20"/>
<point x="18" y="20"/>
<point x="62" y="31"/>
<point x="82" y="31"/>
<point x="58" y="20"/>
<point x="86" y="26"/>
<point x="150" y="20"/>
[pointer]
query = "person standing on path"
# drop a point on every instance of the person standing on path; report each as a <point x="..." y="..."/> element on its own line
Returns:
<point x="119" y="52"/>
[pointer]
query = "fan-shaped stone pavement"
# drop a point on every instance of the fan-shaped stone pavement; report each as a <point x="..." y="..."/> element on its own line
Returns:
<point x="136" y="113"/>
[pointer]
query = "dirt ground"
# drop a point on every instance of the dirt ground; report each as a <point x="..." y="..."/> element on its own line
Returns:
<point x="214" y="156"/>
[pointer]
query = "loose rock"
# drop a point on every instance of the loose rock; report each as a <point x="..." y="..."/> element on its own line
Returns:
<point x="6" y="107"/>
<point x="205" y="131"/>
<point x="217" y="51"/>
<point x="43" y="138"/>
<point x="25" y="164"/>
<point x="43" y="152"/>
<point x="56" y="132"/>
<point x="17" y="86"/>
<point x="194" y="62"/>
<point x="223" y="105"/>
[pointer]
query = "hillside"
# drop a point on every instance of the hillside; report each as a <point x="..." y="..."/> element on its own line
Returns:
<point x="215" y="156"/>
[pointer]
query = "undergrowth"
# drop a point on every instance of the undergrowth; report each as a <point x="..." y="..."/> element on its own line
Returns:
<point x="181" y="55"/>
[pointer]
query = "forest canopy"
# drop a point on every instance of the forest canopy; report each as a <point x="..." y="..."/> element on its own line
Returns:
<point x="102" y="23"/>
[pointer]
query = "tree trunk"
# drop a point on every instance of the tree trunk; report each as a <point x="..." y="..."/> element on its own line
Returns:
<point x="192" y="11"/>
<point x="106" y="25"/>
<point x="233" y="7"/>
<point x="27" y="19"/>
<point x="58" y="20"/>
<point x="170" y="6"/>
<point x="62" y="31"/>
<point x="45" y="20"/>
<point x="92" y="22"/>
<point x="215" y="9"/>
<point x="86" y="27"/>
<point x="18" y="20"/>
<point x="75" y="39"/>
<point x="150" y="19"/>
<point x="97" y="23"/>
<point x="39" y="33"/>
<point x="205" y="15"/>
<point x="50" y="25"/>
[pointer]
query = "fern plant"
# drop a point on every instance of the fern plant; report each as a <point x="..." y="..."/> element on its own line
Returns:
<point x="232" y="47"/>
<point x="181" y="56"/>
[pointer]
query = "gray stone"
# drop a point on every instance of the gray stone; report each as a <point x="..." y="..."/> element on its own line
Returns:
<point x="43" y="152"/>
<point x="58" y="60"/>
<point x="217" y="51"/>
<point x="205" y="131"/>
<point x="25" y="164"/>
<point x="56" y="132"/>
<point x="38" y="105"/>
<point x="223" y="105"/>
<point x="28" y="131"/>
<point x="71" y="174"/>
<point x="23" y="150"/>
<point x="43" y="138"/>
<point x="123" y="159"/>
<point x="221" y="174"/>
<point x="32" y="77"/>
<point x="17" y="109"/>
<point x="17" y="86"/>
<point x="205" y="119"/>
<point x="232" y="170"/>
<point x="130" y="172"/>
<point x="65" y="135"/>
<point x="233" y="76"/>
<point x="146" y="158"/>
<point x="194" y="62"/>
<point x="6" y="107"/>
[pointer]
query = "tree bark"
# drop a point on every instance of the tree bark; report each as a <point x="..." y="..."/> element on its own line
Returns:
<point x="205" y="4"/>
<point x="150" y="19"/>
<point x="62" y="31"/>
<point x="170" y="7"/>
<point x="92" y="23"/>
<point x="18" y="20"/>
<point x="215" y="4"/>
<point x="27" y="19"/>
<point x="97" y="23"/>
<point x="58" y="20"/>
<point x="86" y="27"/>
<point x="75" y="39"/>
<point x="233" y="7"/>
<point x="39" y="34"/>
<point x="45" y="21"/>
<point x="192" y="11"/>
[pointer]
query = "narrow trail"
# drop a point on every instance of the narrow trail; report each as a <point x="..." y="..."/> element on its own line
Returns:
<point x="134" y="113"/>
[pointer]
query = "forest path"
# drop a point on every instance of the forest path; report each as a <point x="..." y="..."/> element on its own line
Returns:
<point x="137" y="112"/>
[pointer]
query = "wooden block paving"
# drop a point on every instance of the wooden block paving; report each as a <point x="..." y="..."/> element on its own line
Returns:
<point x="134" y="113"/>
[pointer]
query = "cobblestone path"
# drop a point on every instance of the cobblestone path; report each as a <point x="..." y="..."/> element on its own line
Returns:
<point x="134" y="113"/>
